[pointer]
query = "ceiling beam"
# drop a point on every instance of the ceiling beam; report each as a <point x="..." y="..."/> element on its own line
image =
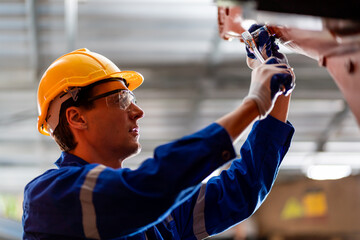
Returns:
<point x="71" y="24"/>
<point x="334" y="124"/>
<point x="32" y="20"/>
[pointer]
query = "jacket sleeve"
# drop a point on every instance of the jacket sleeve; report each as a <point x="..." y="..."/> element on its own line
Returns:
<point x="143" y="197"/>
<point x="236" y="193"/>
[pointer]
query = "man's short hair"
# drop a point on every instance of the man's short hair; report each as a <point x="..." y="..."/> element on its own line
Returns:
<point x="62" y="133"/>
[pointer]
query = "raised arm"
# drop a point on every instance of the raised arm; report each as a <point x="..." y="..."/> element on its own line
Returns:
<point x="267" y="80"/>
<point x="281" y="108"/>
<point x="234" y="195"/>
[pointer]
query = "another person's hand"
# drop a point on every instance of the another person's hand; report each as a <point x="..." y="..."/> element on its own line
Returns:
<point x="268" y="81"/>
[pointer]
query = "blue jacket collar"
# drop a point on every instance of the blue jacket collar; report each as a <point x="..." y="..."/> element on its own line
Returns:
<point x="68" y="159"/>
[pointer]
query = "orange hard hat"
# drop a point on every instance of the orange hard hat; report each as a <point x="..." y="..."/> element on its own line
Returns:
<point x="76" y="69"/>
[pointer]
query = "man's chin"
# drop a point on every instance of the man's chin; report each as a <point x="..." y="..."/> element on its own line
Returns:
<point x="136" y="151"/>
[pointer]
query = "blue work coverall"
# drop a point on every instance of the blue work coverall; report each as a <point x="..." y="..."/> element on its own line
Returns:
<point x="164" y="197"/>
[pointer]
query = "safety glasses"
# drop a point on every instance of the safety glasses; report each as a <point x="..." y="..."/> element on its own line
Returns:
<point x="121" y="98"/>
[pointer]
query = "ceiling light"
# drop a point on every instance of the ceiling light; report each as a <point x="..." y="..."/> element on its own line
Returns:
<point x="328" y="172"/>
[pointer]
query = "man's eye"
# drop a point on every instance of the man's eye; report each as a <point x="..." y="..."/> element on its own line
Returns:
<point x="123" y="100"/>
<point x="116" y="99"/>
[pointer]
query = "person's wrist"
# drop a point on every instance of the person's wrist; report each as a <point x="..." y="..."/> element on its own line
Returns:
<point x="251" y="101"/>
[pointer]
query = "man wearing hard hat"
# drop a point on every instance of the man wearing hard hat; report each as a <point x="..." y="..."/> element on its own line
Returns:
<point x="86" y="104"/>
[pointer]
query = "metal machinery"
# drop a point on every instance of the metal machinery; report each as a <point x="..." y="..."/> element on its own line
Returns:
<point x="327" y="31"/>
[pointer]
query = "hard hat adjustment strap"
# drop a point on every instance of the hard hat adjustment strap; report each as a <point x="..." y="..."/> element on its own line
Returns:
<point x="74" y="93"/>
<point x="52" y="118"/>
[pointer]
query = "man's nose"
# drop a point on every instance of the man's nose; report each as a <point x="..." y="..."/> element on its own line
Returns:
<point x="135" y="111"/>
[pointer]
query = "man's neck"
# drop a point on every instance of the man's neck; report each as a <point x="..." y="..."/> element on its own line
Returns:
<point x="91" y="156"/>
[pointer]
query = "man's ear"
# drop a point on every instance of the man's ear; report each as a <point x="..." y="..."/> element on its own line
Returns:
<point x="75" y="118"/>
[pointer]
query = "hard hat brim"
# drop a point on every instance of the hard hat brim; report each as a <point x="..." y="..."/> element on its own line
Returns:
<point x="134" y="79"/>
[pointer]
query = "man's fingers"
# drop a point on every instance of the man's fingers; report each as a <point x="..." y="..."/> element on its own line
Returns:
<point x="254" y="27"/>
<point x="281" y="82"/>
<point x="272" y="60"/>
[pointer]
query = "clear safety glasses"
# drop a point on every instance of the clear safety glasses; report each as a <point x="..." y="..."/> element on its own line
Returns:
<point x="121" y="98"/>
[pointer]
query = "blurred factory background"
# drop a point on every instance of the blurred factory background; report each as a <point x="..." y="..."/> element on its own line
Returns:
<point x="192" y="77"/>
